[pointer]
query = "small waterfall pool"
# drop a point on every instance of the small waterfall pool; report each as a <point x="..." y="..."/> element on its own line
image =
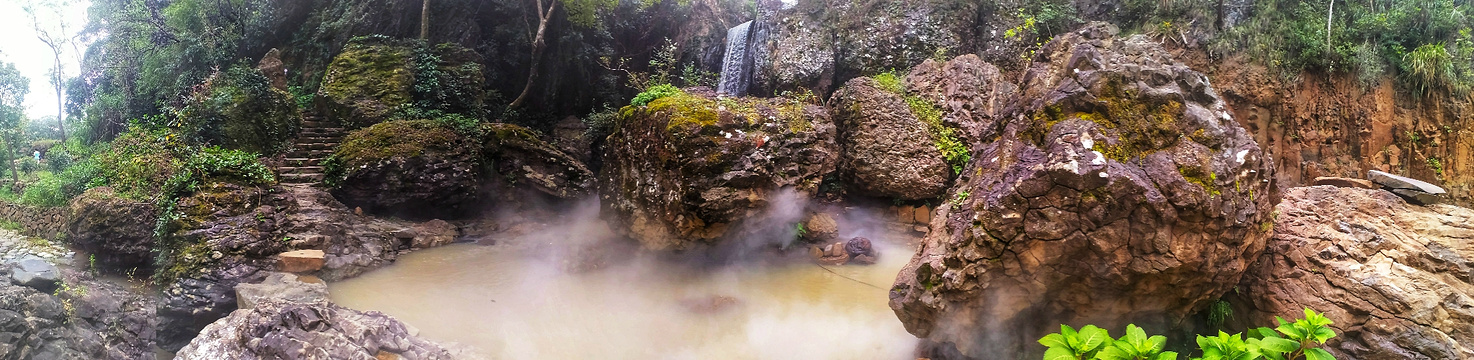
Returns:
<point x="509" y="302"/>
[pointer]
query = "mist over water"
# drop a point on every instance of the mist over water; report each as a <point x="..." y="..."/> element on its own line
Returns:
<point x="518" y="299"/>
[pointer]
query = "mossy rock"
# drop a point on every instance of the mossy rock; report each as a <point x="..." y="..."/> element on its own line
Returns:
<point x="378" y="78"/>
<point x="239" y="109"/>
<point x="523" y="160"/>
<point x="413" y="168"/>
<point x="371" y="77"/>
<point x="117" y="230"/>
<point x="681" y="171"/>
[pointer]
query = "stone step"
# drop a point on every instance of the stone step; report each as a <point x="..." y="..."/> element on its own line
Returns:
<point x="310" y="139"/>
<point x="301" y="178"/>
<point x="302" y="161"/>
<point x="317" y="146"/>
<point x="300" y="169"/>
<point x="316" y="124"/>
<point x="310" y="154"/>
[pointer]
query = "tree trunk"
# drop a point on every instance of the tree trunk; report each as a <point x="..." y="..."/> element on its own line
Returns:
<point x="538" y="45"/>
<point x="10" y="165"/>
<point x="425" y="21"/>
<point x="1329" y="10"/>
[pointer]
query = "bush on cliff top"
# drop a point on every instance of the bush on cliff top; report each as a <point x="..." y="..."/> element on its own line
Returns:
<point x="238" y="109"/>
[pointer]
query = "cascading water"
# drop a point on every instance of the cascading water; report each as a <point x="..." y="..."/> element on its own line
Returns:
<point x="737" y="63"/>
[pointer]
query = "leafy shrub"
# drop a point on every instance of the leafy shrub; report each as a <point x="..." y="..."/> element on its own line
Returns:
<point x="58" y="189"/>
<point x="1431" y="67"/>
<point x="653" y="93"/>
<point x="1290" y="341"/>
<point x="239" y="109"/>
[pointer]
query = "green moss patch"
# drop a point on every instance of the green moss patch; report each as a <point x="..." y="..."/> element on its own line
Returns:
<point x="943" y="137"/>
<point x="401" y="138"/>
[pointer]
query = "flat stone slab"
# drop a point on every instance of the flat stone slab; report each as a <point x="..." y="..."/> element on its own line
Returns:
<point x="281" y="288"/>
<point x="1417" y="197"/>
<point x="301" y="261"/>
<point x="1345" y="182"/>
<point x="1400" y="182"/>
<point x="35" y="273"/>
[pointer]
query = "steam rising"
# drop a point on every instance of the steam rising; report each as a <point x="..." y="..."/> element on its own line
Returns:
<point x="519" y="300"/>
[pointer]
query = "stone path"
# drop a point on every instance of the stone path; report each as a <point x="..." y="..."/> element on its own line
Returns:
<point x="304" y="163"/>
<point x="13" y="245"/>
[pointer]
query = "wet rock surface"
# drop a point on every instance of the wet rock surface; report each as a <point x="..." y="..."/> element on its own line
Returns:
<point x="119" y="231"/>
<point x="523" y="161"/>
<point x="969" y="93"/>
<point x="885" y="150"/>
<point x="87" y="319"/>
<point x="35" y="273"/>
<point x="683" y="170"/>
<point x="418" y="169"/>
<point x="1394" y="278"/>
<point x="295" y="321"/>
<point x="1120" y="191"/>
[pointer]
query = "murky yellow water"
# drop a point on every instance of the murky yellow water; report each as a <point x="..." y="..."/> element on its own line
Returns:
<point x="510" y="305"/>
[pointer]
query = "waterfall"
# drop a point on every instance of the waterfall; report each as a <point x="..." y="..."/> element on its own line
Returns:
<point x="737" y="63"/>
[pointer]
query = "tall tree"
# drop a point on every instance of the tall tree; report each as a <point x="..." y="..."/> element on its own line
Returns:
<point x="13" y="90"/>
<point x="580" y="12"/>
<point x="49" y="19"/>
<point x="425" y="21"/>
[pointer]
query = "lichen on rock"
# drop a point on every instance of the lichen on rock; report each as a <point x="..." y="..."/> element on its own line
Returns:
<point x="681" y="171"/>
<point x="420" y="168"/>
<point x="1044" y="228"/>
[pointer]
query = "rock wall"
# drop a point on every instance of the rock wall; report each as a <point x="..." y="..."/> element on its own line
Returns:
<point x="36" y="221"/>
<point x="1395" y="279"/>
<point x="1334" y="126"/>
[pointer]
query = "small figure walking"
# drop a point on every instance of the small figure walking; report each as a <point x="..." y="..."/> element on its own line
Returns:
<point x="38" y="155"/>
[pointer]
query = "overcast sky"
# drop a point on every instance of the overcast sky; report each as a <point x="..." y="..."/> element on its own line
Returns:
<point x="18" y="45"/>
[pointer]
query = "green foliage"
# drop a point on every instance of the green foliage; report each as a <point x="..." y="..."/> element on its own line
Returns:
<point x="1364" y="38"/>
<point x="154" y="163"/>
<point x="1137" y="346"/>
<point x="890" y="81"/>
<point x="1290" y="341"/>
<point x="653" y="93"/>
<point x="585" y="13"/>
<point x="1431" y="67"/>
<point x="799" y="230"/>
<point x="1436" y="165"/>
<point x="961" y="197"/>
<point x="1069" y="344"/>
<point x="239" y="109"/>
<point x="1219" y="313"/>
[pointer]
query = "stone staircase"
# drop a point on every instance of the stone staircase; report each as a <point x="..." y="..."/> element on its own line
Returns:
<point x="303" y="164"/>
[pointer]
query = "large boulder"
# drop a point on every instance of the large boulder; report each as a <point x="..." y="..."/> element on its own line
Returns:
<point x="1120" y="191"/>
<point x="684" y="169"/>
<point x="1394" y="279"/>
<point x="810" y="44"/>
<point x="411" y="168"/>
<point x="298" y="322"/>
<point x="971" y="94"/>
<point x="376" y="76"/>
<point x="887" y="151"/>
<point x="117" y="230"/>
<point x="524" y="161"/>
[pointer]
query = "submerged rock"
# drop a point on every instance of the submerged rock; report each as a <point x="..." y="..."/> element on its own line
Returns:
<point x="1394" y="279"/>
<point x="686" y="168"/>
<point x="1119" y="191"/>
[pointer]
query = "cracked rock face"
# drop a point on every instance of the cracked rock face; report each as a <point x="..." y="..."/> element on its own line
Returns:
<point x="683" y="170"/>
<point x="1118" y="190"/>
<point x="886" y="150"/>
<point x="1396" y="280"/>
